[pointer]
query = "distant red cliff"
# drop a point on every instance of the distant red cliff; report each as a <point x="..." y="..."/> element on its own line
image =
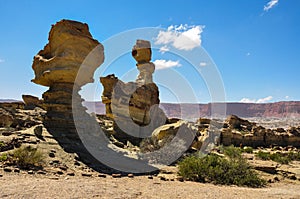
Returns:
<point x="277" y="109"/>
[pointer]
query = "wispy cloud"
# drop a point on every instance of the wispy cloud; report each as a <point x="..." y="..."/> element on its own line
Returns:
<point x="270" y="4"/>
<point x="247" y="100"/>
<point x="182" y="37"/>
<point x="262" y="100"/>
<point x="163" y="64"/>
<point x="164" y="49"/>
<point x="2" y="60"/>
<point x="203" y="64"/>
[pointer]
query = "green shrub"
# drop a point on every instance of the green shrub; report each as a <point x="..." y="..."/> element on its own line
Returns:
<point x="283" y="158"/>
<point x="219" y="170"/>
<point x="28" y="157"/>
<point x="191" y="168"/>
<point x="263" y="155"/>
<point x="3" y="157"/>
<point x="294" y="156"/>
<point x="248" y="149"/>
<point x="232" y="151"/>
<point x="1" y="143"/>
<point x="280" y="158"/>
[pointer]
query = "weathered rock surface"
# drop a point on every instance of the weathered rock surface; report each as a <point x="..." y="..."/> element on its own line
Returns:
<point x="15" y="116"/>
<point x="134" y="101"/>
<point x="67" y="63"/>
<point x="141" y="52"/>
<point x="12" y="106"/>
<point x="6" y="119"/>
<point x="27" y="118"/>
<point x="119" y="97"/>
<point x="57" y="65"/>
<point x="242" y="132"/>
<point x="137" y="96"/>
<point x="31" y="101"/>
<point x="179" y="132"/>
<point x="69" y="44"/>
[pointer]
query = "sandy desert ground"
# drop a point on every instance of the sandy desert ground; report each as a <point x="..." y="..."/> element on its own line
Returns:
<point x="37" y="186"/>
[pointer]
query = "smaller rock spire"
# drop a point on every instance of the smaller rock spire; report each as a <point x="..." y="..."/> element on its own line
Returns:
<point x="141" y="52"/>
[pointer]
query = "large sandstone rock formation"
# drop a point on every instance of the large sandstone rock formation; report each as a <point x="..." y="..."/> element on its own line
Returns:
<point x="134" y="101"/>
<point x="142" y="54"/>
<point x="31" y="101"/>
<point x="57" y="65"/>
<point x="238" y="132"/>
<point x="138" y="96"/>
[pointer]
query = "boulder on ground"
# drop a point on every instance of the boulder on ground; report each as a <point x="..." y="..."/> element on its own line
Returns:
<point x="31" y="101"/>
<point x="6" y="118"/>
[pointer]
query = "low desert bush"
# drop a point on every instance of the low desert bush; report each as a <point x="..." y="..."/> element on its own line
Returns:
<point x="1" y="143"/>
<point x="294" y="155"/>
<point x="283" y="158"/>
<point x="263" y="155"/>
<point x="27" y="157"/>
<point x="247" y="149"/>
<point x="231" y="151"/>
<point x="227" y="170"/>
<point x="3" y="157"/>
<point x="280" y="158"/>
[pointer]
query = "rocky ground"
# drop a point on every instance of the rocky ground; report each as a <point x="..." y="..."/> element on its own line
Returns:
<point x="276" y="122"/>
<point x="64" y="175"/>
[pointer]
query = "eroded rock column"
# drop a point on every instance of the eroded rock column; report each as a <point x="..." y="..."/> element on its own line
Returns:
<point x="57" y="65"/>
<point x="134" y="101"/>
<point x="136" y="96"/>
<point x="142" y="54"/>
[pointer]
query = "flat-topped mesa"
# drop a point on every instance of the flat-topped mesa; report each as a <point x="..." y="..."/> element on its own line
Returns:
<point x="57" y="65"/>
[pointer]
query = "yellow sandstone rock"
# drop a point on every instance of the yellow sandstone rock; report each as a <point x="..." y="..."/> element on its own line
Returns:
<point x="57" y="66"/>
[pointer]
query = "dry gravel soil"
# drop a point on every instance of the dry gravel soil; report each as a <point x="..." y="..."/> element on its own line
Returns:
<point x="38" y="186"/>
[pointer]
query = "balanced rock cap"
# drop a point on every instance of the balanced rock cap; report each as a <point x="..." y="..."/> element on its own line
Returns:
<point x="141" y="51"/>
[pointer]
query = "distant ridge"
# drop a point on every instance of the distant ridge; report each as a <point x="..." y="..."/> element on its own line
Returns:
<point x="276" y="109"/>
<point x="246" y="110"/>
<point x="9" y="100"/>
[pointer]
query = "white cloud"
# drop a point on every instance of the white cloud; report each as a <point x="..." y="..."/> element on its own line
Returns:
<point x="262" y="100"/>
<point x="182" y="37"/>
<point x="270" y="4"/>
<point x="247" y="100"/>
<point x="287" y="97"/>
<point x="163" y="64"/>
<point x="2" y="60"/>
<point x="203" y="64"/>
<point x="248" y="54"/>
<point x="164" y="49"/>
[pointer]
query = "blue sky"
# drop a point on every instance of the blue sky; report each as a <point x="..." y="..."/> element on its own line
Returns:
<point x="253" y="44"/>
